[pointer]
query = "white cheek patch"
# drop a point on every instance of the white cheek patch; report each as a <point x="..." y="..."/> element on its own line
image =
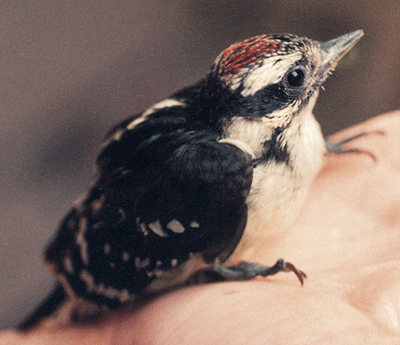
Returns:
<point x="281" y="117"/>
<point x="250" y="134"/>
<point x="271" y="72"/>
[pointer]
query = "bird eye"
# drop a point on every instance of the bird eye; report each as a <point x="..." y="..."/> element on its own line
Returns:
<point x="295" y="78"/>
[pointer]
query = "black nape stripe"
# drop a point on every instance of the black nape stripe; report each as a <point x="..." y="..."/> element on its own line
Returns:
<point x="274" y="149"/>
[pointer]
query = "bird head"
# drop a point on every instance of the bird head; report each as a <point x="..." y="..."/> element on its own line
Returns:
<point x="271" y="76"/>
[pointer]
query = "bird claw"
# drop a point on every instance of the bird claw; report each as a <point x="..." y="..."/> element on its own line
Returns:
<point x="289" y="267"/>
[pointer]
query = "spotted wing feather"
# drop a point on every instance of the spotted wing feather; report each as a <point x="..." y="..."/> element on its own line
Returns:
<point x="164" y="193"/>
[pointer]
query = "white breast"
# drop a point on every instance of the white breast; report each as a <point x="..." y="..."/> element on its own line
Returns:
<point x="278" y="190"/>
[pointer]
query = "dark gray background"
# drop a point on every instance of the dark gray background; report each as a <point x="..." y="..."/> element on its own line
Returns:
<point x="70" y="69"/>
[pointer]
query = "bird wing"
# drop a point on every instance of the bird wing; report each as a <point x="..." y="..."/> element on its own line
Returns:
<point x="164" y="192"/>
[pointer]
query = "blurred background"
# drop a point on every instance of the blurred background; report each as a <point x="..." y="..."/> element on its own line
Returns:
<point x="70" y="69"/>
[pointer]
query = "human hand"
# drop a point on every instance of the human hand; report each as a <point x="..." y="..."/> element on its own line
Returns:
<point x="347" y="240"/>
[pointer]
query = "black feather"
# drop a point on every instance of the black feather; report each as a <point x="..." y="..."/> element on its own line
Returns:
<point x="159" y="172"/>
<point x="46" y="308"/>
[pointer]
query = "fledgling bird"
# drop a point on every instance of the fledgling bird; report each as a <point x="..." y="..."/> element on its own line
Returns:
<point x="191" y="183"/>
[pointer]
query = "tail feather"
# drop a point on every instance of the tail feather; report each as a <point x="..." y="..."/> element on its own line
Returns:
<point x="45" y="309"/>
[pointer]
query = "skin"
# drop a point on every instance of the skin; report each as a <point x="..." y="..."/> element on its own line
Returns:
<point x="347" y="240"/>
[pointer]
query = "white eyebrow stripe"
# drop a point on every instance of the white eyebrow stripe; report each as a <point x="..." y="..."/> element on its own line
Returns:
<point x="270" y="72"/>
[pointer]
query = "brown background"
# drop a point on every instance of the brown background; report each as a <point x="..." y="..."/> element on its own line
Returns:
<point x="70" y="69"/>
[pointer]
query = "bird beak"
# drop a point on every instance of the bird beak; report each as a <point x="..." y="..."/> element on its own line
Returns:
<point x="334" y="50"/>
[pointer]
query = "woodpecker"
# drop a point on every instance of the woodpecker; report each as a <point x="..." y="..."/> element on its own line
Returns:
<point x="191" y="183"/>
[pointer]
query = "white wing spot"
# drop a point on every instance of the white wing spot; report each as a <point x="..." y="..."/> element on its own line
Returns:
<point x="135" y="122"/>
<point x="83" y="224"/>
<point x="194" y="224"/>
<point x="174" y="262"/>
<point x="124" y="296"/>
<point x="141" y="264"/>
<point x="159" y="273"/>
<point x="67" y="286"/>
<point x="67" y="263"/>
<point x="98" y="225"/>
<point x="98" y="204"/>
<point x="156" y="227"/>
<point x="118" y="134"/>
<point x="175" y="226"/>
<point x="158" y="263"/>
<point x="88" y="279"/>
<point x="78" y="202"/>
<point x="110" y="292"/>
<point x="123" y="216"/>
<point x="112" y="264"/>
<point x="107" y="249"/>
<point x="81" y="241"/>
<point x="143" y="228"/>
<point x="125" y="256"/>
<point x="167" y="103"/>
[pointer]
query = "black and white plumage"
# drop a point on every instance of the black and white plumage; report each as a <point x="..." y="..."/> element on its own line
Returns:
<point x="192" y="182"/>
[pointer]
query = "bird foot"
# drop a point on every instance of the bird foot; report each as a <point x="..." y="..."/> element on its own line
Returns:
<point x="249" y="270"/>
